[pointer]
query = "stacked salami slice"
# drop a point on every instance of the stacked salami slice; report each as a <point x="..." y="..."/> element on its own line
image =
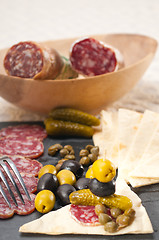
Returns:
<point x="22" y="144"/>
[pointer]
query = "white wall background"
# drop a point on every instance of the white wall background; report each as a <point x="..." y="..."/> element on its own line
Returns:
<point x="40" y="20"/>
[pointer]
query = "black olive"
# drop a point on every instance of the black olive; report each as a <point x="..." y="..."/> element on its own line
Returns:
<point x="74" y="167"/>
<point x="82" y="183"/>
<point x="63" y="193"/>
<point x="48" y="181"/>
<point x="102" y="189"/>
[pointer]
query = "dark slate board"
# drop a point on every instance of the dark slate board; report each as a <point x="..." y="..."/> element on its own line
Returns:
<point x="149" y="195"/>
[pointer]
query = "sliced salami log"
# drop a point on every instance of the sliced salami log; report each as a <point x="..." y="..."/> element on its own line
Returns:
<point x="24" y="130"/>
<point x="31" y="148"/>
<point x="90" y="57"/>
<point x="31" y="60"/>
<point x="84" y="214"/>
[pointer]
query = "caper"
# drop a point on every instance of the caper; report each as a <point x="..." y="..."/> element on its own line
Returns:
<point x="62" y="160"/>
<point x="83" y="153"/>
<point x="123" y="220"/>
<point x="110" y="227"/>
<point x="92" y="157"/>
<point x="52" y="151"/>
<point x="115" y="212"/>
<point x="70" y="157"/>
<point x="84" y="160"/>
<point x="59" y="164"/>
<point x="54" y="148"/>
<point x="68" y="147"/>
<point x="72" y="152"/>
<point x="88" y="147"/>
<point x="104" y="218"/>
<point x="95" y="150"/>
<point x="64" y="152"/>
<point x="130" y="212"/>
<point x="58" y="146"/>
<point x="100" y="208"/>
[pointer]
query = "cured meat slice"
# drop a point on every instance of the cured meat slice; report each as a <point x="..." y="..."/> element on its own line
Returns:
<point x="24" y="130"/>
<point x="29" y="180"/>
<point x="26" y="165"/>
<point x="84" y="214"/>
<point x="91" y="57"/>
<point x="32" y="60"/>
<point x="22" y="209"/>
<point x="31" y="148"/>
<point x="6" y="212"/>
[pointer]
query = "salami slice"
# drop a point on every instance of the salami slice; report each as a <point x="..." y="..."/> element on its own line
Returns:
<point x="90" y="57"/>
<point x="6" y="212"/>
<point x="24" y="130"/>
<point x="32" y="60"/>
<point x="31" y="184"/>
<point x="26" y="165"/>
<point x="31" y="148"/>
<point x="84" y="214"/>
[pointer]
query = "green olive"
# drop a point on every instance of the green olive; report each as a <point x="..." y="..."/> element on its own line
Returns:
<point x="110" y="227"/>
<point x="115" y="212"/>
<point x="65" y="176"/>
<point x="104" y="218"/>
<point x="45" y="201"/>
<point x="47" y="169"/>
<point x="100" y="208"/>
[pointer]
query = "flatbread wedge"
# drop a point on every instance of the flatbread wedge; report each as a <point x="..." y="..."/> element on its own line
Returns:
<point x="61" y="222"/>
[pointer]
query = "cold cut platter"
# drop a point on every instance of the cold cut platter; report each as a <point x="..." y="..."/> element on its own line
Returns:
<point x="148" y="194"/>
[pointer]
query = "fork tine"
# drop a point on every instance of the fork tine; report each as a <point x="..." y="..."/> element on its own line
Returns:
<point x="8" y="187"/>
<point x="12" y="181"/>
<point x="15" y="170"/>
<point x="5" y="196"/>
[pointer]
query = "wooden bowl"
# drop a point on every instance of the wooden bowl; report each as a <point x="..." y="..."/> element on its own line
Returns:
<point x="89" y="94"/>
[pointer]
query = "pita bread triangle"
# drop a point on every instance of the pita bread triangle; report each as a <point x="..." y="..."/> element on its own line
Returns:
<point x="60" y="221"/>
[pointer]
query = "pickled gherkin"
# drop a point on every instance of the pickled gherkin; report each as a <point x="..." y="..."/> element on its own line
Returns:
<point x="86" y="197"/>
<point x="58" y="128"/>
<point x="74" y="115"/>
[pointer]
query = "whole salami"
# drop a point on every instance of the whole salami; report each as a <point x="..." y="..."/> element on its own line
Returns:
<point x="90" y="57"/>
<point x="32" y="60"/>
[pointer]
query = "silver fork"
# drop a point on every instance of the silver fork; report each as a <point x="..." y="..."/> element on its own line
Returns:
<point x="3" y="161"/>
